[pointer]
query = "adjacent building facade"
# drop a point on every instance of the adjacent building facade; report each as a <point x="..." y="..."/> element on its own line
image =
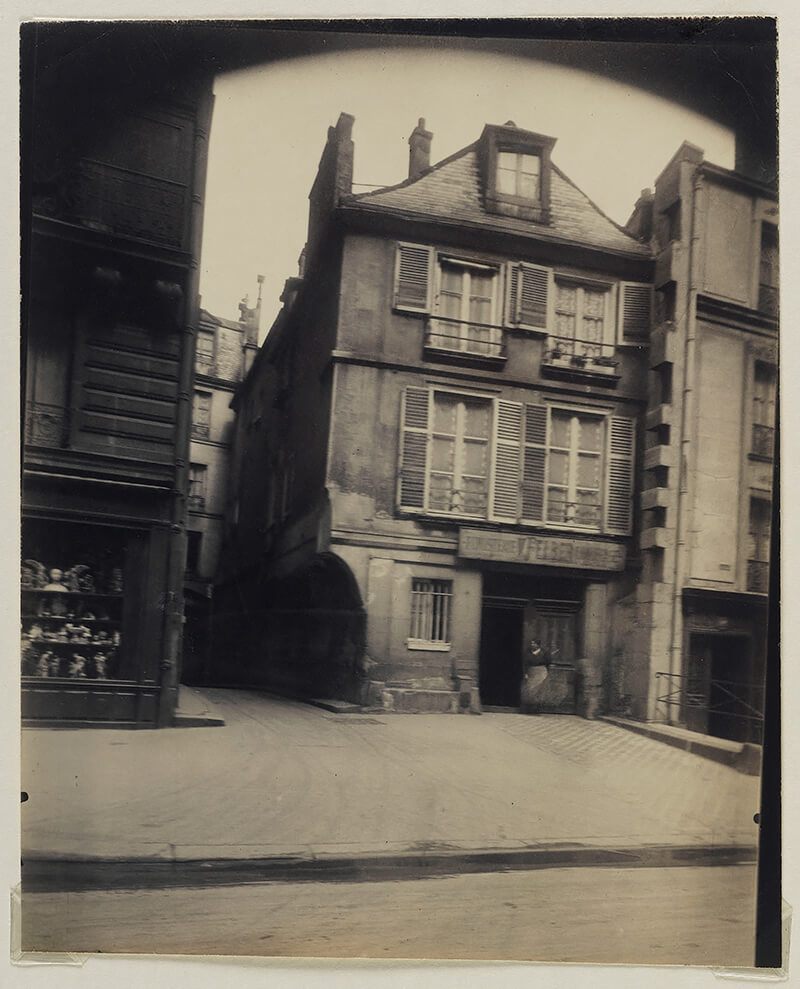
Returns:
<point x="224" y="352"/>
<point x="693" y="647"/>
<point x="110" y="265"/>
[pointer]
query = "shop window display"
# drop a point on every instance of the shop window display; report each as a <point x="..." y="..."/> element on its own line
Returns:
<point x="71" y="611"/>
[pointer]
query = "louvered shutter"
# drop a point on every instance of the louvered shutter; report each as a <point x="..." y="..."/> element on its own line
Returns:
<point x="528" y="296"/>
<point x="619" y="479"/>
<point x="412" y="277"/>
<point x="506" y="477"/>
<point x="635" y="312"/>
<point x="413" y="466"/>
<point x="534" y="463"/>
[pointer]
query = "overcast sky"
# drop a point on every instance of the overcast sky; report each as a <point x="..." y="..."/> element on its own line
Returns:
<point x="270" y="126"/>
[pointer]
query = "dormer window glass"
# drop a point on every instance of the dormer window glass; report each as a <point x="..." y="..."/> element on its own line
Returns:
<point x="518" y="175"/>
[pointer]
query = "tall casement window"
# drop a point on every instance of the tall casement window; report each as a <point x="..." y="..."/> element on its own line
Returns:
<point x="459" y="470"/>
<point x="763" y="409"/>
<point x="582" y="320"/>
<point x="758" y="548"/>
<point x="197" y="486"/>
<point x="768" y="270"/>
<point x="465" y="316"/>
<point x="518" y="175"/>
<point x="430" y="614"/>
<point x="477" y="457"/>
<point x="201" y="415"/>
<point x="204" y="358"/>
<point x="574" y="483"/>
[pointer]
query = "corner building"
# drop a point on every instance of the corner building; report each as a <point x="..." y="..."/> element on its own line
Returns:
<point x="451" y="403"/>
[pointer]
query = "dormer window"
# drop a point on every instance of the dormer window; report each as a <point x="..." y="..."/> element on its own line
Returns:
<point x="515" y="166"/>
<point x="518" y="175"/>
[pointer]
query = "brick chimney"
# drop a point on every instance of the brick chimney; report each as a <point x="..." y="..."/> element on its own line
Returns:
<point x="334" y="178"/>
<point x="419" y="150"/>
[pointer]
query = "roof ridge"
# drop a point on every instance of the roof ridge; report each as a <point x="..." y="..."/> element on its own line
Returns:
<point x="593" y="204"/>
<point x="407" y="182"/>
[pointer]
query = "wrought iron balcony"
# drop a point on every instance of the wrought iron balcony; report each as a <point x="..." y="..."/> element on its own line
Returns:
<point x="458" y="337"/>
<point x="196" y="502"/>
<point x="570" y="357"/>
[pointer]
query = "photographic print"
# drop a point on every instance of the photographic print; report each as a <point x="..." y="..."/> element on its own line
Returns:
<point x="399" y="489"/>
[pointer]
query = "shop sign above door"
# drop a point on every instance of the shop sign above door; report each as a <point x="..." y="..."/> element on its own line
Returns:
<point x="553" y="551"/>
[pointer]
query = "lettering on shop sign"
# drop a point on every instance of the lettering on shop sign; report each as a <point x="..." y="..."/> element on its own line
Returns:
<point x="585" y="554"/>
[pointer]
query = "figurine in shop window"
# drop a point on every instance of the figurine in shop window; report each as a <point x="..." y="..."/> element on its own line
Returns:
<point x="77" y="666"/>
<point x="54" y="604"/>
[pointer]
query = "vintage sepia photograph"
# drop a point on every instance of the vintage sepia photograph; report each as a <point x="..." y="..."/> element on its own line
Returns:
<point x="399" y="529"/>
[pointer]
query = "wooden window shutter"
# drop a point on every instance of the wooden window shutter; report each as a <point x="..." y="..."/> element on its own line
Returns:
<point x="619" y="478"/>
<point x="534" y="464"/>
<point x="528" y="296"/>
<point x="635" y="312"/>
<point x="413" y="467"/>
<point x="412" y="278"/>
<point x="505" y="499"/>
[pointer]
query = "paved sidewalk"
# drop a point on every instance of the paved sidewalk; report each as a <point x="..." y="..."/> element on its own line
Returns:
<point x="283" y="780"/>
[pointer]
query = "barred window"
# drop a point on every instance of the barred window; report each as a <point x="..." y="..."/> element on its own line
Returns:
<point x="430" y="612"/>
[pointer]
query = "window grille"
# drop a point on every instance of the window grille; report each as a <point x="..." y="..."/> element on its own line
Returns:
<point x="430" y="611"/>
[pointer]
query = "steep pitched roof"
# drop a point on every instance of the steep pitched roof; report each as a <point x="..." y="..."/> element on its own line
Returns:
<point x="451" y="190"/>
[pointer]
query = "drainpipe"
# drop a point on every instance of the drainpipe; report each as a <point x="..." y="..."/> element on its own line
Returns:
<point x="683" y="506"/>
<point x="170" y="666"/>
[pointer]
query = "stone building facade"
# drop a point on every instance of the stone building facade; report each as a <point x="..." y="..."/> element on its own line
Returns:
<point x="694" y="652"/>
<point x="447" y="417"/>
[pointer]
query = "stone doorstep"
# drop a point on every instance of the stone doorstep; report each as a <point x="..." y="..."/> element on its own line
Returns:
<point x="745" y="757"/>
<point x="419" y="700"/>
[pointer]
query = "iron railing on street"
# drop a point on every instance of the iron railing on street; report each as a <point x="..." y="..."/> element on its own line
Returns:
<point x="718" y="698"/>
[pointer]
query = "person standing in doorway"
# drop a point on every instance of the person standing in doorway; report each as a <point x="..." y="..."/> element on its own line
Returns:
<point x="534" y="674"/>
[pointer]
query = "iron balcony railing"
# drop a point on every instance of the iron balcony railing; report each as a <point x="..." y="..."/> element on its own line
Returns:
<point x="465" y="337"/>
<point x="580" y="353"/>
<point x="721" y="698"/>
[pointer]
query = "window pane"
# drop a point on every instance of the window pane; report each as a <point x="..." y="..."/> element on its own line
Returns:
<point x="559" y="468"/>
<point x="444" y="415"/>
<point x="556" y="505"/>
<point x="475" y="457"/>
<point x="593" y="302"/>
<point x="507" y="173"/>
<point x="441" y="492"/>
<point x="473" y="495"/>
<point x="588" y="508"/>
<point x="529" y="176"/>
<point x="590" y="435"/>
<point x="442" y="456"/>
<point x="566" y="298"/>
<point x="476" y="419"/>
<point x="588" y="471"/>
<point x="559" y="429"/>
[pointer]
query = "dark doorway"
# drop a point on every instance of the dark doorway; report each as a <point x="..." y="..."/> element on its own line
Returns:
<point x="501" y="654"/>
<point x="720" y="699"/>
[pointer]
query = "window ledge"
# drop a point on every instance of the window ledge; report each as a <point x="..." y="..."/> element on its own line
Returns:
<point x="423" y="644"/>
<point x="588" y="372"/>
<point x="447" y="356"/>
